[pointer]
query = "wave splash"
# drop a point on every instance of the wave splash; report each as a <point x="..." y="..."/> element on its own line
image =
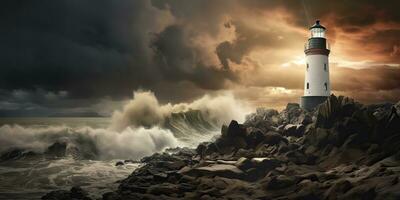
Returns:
<point x="86" y="142"/>
<point x="145" y="110"/>
<point x="143" y="127"/>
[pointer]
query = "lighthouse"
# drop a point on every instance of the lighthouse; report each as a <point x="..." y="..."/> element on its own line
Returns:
<point x="316" y="82"/>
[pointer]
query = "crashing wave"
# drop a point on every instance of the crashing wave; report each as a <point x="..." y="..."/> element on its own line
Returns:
<point x="142" y="128"/>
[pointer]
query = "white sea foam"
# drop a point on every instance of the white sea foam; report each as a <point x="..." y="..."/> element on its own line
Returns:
<point x="143" y="127"/>
<point x="145" y="110"/>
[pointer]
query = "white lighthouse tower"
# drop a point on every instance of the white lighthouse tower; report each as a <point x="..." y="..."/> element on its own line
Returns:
<point x="316" y="84"/>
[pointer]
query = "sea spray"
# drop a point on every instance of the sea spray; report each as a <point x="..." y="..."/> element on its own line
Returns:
<point x="89" y="143"/>
<point x="144" y="110"/>
<point x="143" y="127"/>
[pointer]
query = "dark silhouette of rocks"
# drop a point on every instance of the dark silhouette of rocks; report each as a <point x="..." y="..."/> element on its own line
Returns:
<point x="340" y="150"/>
<point x="74" y="193"/>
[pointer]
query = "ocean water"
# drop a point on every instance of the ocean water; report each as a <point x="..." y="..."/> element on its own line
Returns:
<point x="31" y="177"/>
<point x="92" y="149"/>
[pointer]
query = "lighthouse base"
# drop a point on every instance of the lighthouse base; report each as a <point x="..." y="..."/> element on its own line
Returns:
<point x="310" y="102"/>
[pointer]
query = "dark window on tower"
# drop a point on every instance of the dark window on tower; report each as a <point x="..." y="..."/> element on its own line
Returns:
<point x="325" y="66"/>
<point x="326" y="86"/>
<point x="308" y="85"/>
<point x="308" y="66"/>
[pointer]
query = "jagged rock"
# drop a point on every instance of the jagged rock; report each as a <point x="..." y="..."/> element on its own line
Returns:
<point x="320" y="138"/>
<point x="265" y="164"/>
<point x="244" y="153"/>
<point x="15" y="154"/>
<point x="335" y="109"/>
<point x="360" y="192"/>
<point x="279" y="182"/>
<point x="254" y="137"/>
<point x="293" y="114"/>
<point x="338" y="188"/>
<point x="119" y="163"/>
<point x="223" y="170"/>
<point x="244" y="163"/>
<point x="273" y="138"/>
<point x="305" y="119"/>
<point x="201" y="149"/>
<point x="294" y="130"/>
<point x="235" y="130"/>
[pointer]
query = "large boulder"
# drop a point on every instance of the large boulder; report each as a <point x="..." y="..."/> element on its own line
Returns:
<point x="15" y="154"/>
<point x="263" y="119"/>
<point x="235" y="130"/>
<point x="273" y="138"/>
<point x="222" y="170"/>
<point x="254" y="137"/>
<point x="244" y="163"/>
<point x="293" y="114"/>
<point x="279" y="182"/>
<point x="338" y="188"/>
<point x="294" y="130"/>
<point x="335" y="109"/>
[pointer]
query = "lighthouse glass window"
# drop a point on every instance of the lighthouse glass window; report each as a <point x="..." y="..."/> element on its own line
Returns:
<point x="318" y="33"/>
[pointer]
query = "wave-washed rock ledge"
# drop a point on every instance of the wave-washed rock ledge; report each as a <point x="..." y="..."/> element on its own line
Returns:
<point x="341" y="150"/>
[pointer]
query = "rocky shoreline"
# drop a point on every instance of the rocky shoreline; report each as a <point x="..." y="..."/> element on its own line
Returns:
<point x="341" y="150"/>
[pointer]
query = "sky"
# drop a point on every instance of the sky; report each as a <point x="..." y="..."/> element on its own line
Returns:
<point x="90" y="55"/>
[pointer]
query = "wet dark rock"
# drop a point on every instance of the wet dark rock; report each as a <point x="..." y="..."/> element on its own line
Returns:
<point x="75" y="193"/>
<point x="119" y="163"/>
<point x="335" y="109"/>
<point x="222" y="170"/>
<point x="337" y="189"/>
<point x="163" y="189"/>
<point x="15" y="154"/>
<point x="244" y="163"/>
<point x="273" y="138"/>
<point x="236" y="130"/>
<point x="294" y="130"/>
<point x="365" y="192"/>
<point x="279" y="182"/>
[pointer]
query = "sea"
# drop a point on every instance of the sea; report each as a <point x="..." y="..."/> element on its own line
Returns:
<point x="91" y="153"/>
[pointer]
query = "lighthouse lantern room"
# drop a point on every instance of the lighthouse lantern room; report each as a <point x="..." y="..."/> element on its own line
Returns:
<point x="316" y="84"/>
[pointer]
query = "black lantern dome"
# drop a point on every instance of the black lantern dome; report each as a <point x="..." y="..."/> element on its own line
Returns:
<point x="317" y="25"/>
<point x="317" y="30"/>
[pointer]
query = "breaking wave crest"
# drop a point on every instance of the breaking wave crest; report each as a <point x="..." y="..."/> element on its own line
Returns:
<point x="145" y="110"/>
<point x="143" y="127"/>
<point x="86" y="142"/>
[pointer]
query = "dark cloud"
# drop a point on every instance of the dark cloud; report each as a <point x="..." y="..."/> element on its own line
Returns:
<point x="94" y="48"/>
<point x="177" y="61"/>
<point x="73" y="45"/>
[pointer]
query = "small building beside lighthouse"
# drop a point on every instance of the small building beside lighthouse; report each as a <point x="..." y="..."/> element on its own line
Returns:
<point x="317" y="87"/>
